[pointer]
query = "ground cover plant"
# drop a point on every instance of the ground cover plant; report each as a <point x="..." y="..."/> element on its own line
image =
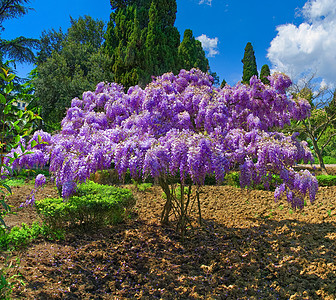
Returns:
<point x="180" y="127"/>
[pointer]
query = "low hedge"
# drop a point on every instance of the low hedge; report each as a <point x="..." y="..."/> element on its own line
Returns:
<point x="93" y="204"/>
<point x="233" y="180"/>
<point x="326" y="180"/>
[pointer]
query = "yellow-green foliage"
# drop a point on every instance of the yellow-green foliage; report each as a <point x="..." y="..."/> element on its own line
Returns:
<point x="94" y="204"/>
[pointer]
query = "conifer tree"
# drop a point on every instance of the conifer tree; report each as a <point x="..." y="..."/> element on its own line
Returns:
<point x="264" y="73"/>
<point x="163" y="38"/>
<point x="223" y="83"/>
<point x="191" y="53"/>
<point x="249" y="64"/>
<point x="143" y="42"/>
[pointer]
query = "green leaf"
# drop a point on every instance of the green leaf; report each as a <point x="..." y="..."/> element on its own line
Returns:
<point x="22" y="148"/>
<point x="17" y="138"/>
<point x="7" y="188"/>
<point x="20" y="114"/>
<point x="2" y="99"/>
<point x="33" y="143"/>
<point x="8" y="88"/>
<point x="11" y="77"/>
<point x="39" y="138"/>
<point x="17" y="128"/>
<point x="7" y="109"/>
<point x="2" y="76"/>
<point x="16" y="155"/>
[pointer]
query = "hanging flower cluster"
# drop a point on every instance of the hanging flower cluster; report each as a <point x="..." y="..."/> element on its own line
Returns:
<point x="181" y="125"/>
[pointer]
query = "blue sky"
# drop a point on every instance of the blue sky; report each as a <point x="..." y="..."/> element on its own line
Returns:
<point x="288" y="35"/>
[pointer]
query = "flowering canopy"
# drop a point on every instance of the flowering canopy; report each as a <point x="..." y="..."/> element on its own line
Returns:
<point x="181" y="125"/>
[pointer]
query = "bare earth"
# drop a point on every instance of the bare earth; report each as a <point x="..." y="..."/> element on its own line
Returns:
<point x="248" y="248"/>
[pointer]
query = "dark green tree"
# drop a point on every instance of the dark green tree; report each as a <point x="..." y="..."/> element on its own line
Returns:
<point x="142" y="41"/>
<point x="264" y="73"/>
<point x="223" y="83"/>
<point x="191" y="53"/>
<point x="69" y="67"/>
<point x="125" y="42"/>
<point x="163" y="39"/>
<point x="20" y="48"/>
<point x="249" y="64"/>
<point x="50" y="41"/>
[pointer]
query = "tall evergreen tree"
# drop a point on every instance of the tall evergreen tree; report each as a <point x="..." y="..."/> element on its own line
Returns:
<point x="191" y="53"/>
<point x="223" y="84"/>
<point x="143" y="42"/>
<point x="162" y="39"/>
<point x="249" y="64"/>
<point x="264" y="73"/>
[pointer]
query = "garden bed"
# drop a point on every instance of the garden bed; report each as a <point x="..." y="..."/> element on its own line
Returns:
<point x="248" y="248"/>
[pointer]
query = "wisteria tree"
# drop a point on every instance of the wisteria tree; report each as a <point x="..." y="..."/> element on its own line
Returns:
<point x="181" y="127"/>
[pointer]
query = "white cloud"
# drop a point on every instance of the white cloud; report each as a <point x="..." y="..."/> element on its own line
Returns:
<point x="309" y="46"/>
<point x="209" y="45"/>
<point x="208" y="2"/>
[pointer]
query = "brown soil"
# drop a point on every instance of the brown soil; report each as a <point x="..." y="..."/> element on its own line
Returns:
<point x="248" y="248"/>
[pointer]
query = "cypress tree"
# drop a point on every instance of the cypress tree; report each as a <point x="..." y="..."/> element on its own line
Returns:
<point x="249" y="64"/>
<point x="143" y="42"/>
<point x="264" y="73"/>
<point x="162" y="39"/>
<point x="223" y="83"/>
<point x="191" y="53"/>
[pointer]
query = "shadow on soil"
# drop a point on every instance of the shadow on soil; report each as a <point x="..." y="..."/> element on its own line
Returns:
<point x="276" y="260"/>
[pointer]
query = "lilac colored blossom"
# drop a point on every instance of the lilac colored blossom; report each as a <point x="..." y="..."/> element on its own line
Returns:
<point x="68" y="189"/>
<point x="40" y="180"/>
<point x="181" y="125"/>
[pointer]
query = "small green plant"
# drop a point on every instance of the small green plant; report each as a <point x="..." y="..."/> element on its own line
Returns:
<point x="232" y="179"/>
<point x="142" y="187"/>
<point x="291" y="211"/>
<point x="7" y="282"/>
<point x="21" y="236"/>
<point x="93" y="204"/>
<point x="329" y="212"/>
<point x="281" y="207"/>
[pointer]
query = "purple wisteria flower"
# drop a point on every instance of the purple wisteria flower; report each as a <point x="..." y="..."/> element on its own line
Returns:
<point x="40" y="181"/>
<point x="181" y="125"/>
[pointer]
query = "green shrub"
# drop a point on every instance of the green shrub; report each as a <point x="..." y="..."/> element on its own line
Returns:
<point x="21" y="236"/>
<point x="93" y="204"/>
<point x="232" y="179"/>
<point x="326" y="180"/>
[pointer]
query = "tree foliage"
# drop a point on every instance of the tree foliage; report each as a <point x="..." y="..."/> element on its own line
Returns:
<point x="264" y="73"/>
<point x="20" y="48"/>
<point x="69" y="64"/>
<point x="319" y="128"/>
<point x="191" y="53"/>
<point x="249" y="64"/>
<point x="143" y="42"/>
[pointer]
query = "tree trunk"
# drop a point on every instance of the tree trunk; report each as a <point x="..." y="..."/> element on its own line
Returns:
<point x="319" y="157"/>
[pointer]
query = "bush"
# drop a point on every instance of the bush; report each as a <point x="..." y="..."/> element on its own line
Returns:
<point x="93" y="204"/>
<point x="326" y="159"/>
<point x="326" y="180"/>
<point x="21" y="236"/>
